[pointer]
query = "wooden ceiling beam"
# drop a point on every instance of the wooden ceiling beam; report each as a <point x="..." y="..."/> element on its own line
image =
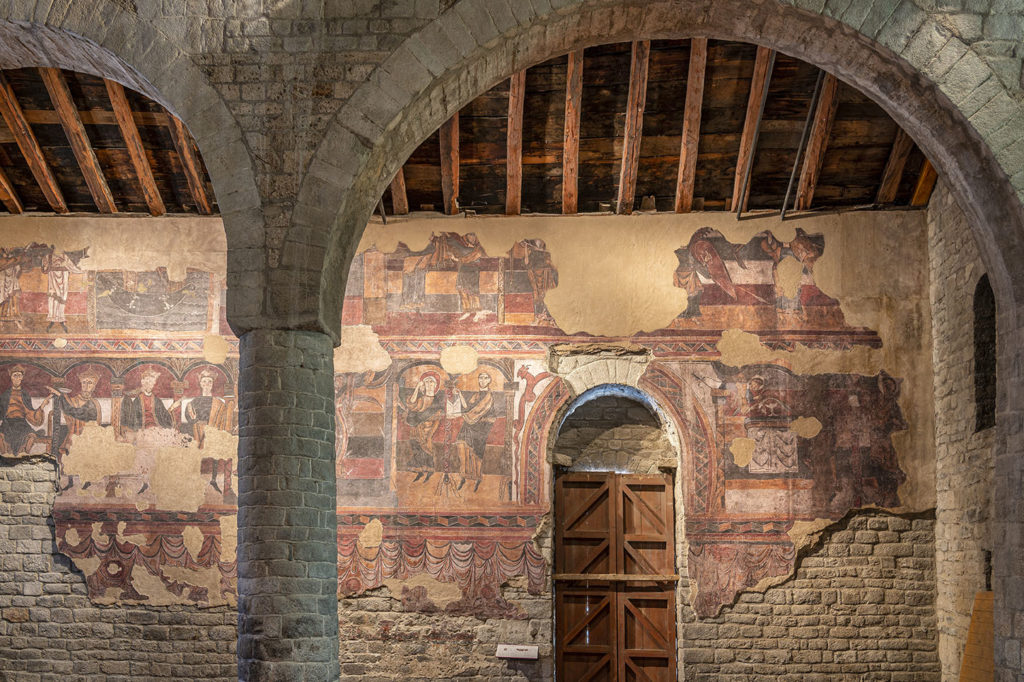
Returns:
<point x="817" y="145"/>
<point x="751" y="124"/>
<point x="925" y="185"/>
<point x="571" y="136"/>
<point x="191" y="165"/>
<point x="137" y="153"/>
<point x="688" y="147"/>
<point x="893" y="172"/>
<point x="514" y="144"/>
<point x="632" y="135"/>
<point x="12" y="114"/>
<point x="448" y="137"/>
<point x="8" y="195"/>
<point x="399" y="197"/>
<point x="64" y="105"/>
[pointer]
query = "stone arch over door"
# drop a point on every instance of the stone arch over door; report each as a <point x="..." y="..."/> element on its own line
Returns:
<point x="931" y="83"/>
<point x="105" y="40"/>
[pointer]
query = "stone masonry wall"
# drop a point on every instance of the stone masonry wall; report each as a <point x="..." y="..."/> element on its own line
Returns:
<point x="861" y="603"/>
<point x="964" y="458"/>
<point x="860" y="607"/>
<point x="613" y="433"/>
<point x="49" y="630"/>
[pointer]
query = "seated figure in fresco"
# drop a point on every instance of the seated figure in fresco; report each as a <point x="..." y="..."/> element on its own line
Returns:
<point x="70" y="414"/>
<point x="20" y="420"/>
<point x="426" y="411"/>
<point x="141" y="409"/>
<point x="203" y="412"/>
<point x="76" y="410"/>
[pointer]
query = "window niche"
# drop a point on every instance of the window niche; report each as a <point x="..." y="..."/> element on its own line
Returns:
<point x="984" y="355"/>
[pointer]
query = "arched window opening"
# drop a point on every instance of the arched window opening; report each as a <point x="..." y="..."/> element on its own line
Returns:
<point x="984" y="355"/>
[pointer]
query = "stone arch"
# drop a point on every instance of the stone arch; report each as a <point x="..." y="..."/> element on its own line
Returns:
<point x="960" y="113"/>
<point x="938" y="90"/>
<point x="623" y="398"/>
<point x="106" y="40"/>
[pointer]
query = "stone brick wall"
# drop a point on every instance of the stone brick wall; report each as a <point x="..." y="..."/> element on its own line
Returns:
<point x="613" y="433"/>
<point x="380" y="639"/>
<point x="965" y="465"/>
<point x="860" y="607"/>
<point x="49" y="630"/>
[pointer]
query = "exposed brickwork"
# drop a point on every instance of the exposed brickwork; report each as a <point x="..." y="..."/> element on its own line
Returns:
<point x="50" y="630"/>
<point x="964" y="458"/>
<point x="287" y="527"/>
<point x="381" y="640"/>
<point x="614" y="433"/>
<point x="860" y="607"/>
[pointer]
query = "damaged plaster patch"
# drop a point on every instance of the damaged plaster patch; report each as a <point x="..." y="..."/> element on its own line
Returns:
<point x="228" y="537"/>
<point x="193" y="539"/>
<point x="215" y="349"/>
<point x="739" y="348"/>
<point x="742" y="450"/>
<point x="805" y="427"/>
<point x="789" y="272"/>
<point x="441" y="594"/>
<point x="71" y="537"/>
<point x="360" y="351"/>
<point x="459" y="359"/>
<point x="371" y="535"/>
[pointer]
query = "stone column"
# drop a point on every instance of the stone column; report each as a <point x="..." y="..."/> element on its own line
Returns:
<point x="287" y="523"/>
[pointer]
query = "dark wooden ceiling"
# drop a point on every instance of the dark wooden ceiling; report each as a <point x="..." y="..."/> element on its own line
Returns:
<point x="486" y="160"/>
<point x="71" y="142"/>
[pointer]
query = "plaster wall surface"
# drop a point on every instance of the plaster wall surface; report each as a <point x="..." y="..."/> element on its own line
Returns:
<point x="965" y="466"/>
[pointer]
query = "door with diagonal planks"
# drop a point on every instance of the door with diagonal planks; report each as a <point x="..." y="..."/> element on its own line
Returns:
<point x="614" y="578"/>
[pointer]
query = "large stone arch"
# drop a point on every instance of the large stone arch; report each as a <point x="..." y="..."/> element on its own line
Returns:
<point x="932" y="84"/>
<point x="105" y="39"/>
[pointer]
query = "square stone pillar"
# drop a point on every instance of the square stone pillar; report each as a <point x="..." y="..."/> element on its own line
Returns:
<point x="287" y="522"/>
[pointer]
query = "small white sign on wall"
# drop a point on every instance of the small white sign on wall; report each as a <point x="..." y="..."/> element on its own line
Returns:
<point x="517" y="651"/>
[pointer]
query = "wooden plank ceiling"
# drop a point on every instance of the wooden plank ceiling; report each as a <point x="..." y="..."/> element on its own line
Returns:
<point x="75" y="143"/>
<point x="667" y="125"/>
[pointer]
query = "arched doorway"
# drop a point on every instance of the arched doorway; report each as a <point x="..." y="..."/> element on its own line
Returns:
<point x="615" y="566"/>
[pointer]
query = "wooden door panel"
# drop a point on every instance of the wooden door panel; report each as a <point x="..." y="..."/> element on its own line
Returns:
<point x="584" y="510"/>
<point x="647" y="633"/>
<point x="647" y="528"/>
<point x="587" y="632"/>
<point x="618" y="628"/>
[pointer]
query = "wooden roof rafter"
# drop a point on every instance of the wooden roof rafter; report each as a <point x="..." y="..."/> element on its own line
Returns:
<point x="12" y="114"/>
<point x="67" y="112"/>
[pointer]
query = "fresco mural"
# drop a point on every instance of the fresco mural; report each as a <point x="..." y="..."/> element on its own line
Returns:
<point x="442" y="461"/>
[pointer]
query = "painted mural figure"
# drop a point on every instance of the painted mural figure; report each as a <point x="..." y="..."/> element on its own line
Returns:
<point x="142" y="409"/>
<point x="58" y="269"/>
<point x="205" y="410"/>
<point x="477" y="422"/>
<point x="10" y="271"/>
<point x="74" y="411"/>
<point x="18" y="432"/>
<point x="543" y="276"/>
<point x="426" y="411"/>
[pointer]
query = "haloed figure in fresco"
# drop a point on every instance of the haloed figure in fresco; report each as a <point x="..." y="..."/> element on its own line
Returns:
<point x="426" y="410"/>
<point x="18" y="432"/>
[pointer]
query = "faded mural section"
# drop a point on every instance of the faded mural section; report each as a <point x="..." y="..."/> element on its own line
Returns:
<point x="117" y="365"/>
<point x="792" y="362"/>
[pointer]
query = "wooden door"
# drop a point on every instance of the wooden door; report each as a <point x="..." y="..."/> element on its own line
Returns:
<point x="614" y="578"/>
